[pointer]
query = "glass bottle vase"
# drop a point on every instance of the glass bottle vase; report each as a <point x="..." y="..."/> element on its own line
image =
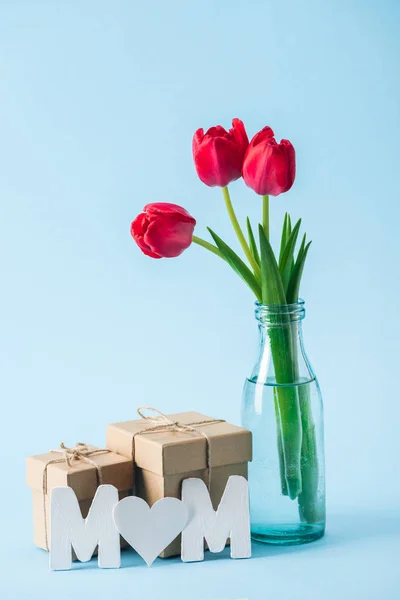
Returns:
<point x="282" y="407"/>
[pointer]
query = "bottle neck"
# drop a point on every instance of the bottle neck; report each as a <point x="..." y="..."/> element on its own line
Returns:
<point x="282" y="357"/>
<point x="276" y="315"/>
<point x="271" y="318"/>
<point x="270" y="331"/>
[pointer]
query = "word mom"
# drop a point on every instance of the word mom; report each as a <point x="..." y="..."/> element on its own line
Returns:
<point x="149" y="530"/>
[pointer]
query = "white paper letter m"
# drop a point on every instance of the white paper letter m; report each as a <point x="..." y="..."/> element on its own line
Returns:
<point x="69" y="530"/>
<point x="231" y="520"/>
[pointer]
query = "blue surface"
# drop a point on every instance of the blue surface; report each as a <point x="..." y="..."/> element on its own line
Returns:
<point x="98" y="104"/>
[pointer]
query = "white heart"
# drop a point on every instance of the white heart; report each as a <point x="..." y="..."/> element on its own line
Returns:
<point x="150" y="530"/>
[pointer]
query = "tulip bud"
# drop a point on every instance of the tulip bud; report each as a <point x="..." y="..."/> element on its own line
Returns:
<point x="218" y="154"/>
<point x="163" y="230"/>
<point x="269" y="168"/>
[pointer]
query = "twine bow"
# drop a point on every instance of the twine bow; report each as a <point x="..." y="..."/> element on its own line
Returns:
<point x="162" y="423"/>
<point x="80" y="452"/>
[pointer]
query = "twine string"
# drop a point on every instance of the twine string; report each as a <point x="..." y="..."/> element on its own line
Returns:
<point x="161" y="423"/>
<point x="80" y="452"/>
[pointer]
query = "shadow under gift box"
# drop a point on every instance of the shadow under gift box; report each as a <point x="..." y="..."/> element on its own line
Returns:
<point x="163" y="459"/>
<point x="81" y="476"/>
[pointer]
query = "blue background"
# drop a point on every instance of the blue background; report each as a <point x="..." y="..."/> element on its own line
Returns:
<point x="98" y="104"/>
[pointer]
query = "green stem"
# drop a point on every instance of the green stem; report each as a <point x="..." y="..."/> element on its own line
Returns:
<point x="239" y="232"/>
<point x="281" y="456"/>
<point x="288" y="407"/>
<point x="311" y="507"/>
<point x="207" y="246"/>
<point x="265" y="215"/>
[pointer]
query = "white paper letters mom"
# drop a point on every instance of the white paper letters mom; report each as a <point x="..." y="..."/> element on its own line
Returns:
<point x="147" y="530"/>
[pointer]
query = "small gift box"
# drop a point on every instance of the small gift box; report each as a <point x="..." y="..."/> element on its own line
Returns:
<point x="167" y="449"/>
<point x="83" y="468"/>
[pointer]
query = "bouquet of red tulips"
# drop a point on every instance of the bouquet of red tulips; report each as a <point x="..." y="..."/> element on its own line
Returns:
<point x="165" y="230"/>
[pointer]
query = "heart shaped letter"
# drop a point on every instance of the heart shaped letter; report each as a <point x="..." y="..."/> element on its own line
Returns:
<point x="150" y="530"/>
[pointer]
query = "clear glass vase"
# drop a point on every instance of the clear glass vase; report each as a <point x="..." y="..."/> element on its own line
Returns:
<point x="282" y="406"/>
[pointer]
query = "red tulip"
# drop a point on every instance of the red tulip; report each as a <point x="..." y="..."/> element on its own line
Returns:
<point x="218" y="154"/>
<point x="269" y="167"/>
<point x="163" y="230"/>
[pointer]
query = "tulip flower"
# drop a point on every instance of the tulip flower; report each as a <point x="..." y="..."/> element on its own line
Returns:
<point x="218" y="154"/>
<point x="163" y="230"/>
<point x="269" y="168"/>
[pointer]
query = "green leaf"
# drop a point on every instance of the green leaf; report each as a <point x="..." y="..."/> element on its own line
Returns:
<point x="289" y="232"/>
<point x="290" y="246"/>
<point x="252" y="242"/>
<point x="237" y="264"/>
<point x="302" y="246"/>
<point x="289" y="226"/>
<point x="294" y="283"/>
<point x="286" y="263"/>
<point x="272" y="291"/>
<point x="284" y="237"/>
<point x="286" y="231"/>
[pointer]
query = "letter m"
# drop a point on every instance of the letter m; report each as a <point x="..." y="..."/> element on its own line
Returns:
<point x="231" y="520"/>
<point x="69" y="530"/>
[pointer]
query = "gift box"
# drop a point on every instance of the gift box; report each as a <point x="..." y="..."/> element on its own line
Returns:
<point x="83" y="468"/>
<point x="170" y="448"/>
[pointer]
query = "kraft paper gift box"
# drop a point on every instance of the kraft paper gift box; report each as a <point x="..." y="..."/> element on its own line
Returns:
<point x="164" y="458"/>
<point x="46" y="471"/>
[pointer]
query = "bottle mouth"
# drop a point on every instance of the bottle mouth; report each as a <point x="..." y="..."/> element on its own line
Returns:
<point x="277" y="314"/>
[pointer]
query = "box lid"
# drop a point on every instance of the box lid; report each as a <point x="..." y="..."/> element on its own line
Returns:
<point x="172" y="452"/>
<point x="81" y="476"/>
